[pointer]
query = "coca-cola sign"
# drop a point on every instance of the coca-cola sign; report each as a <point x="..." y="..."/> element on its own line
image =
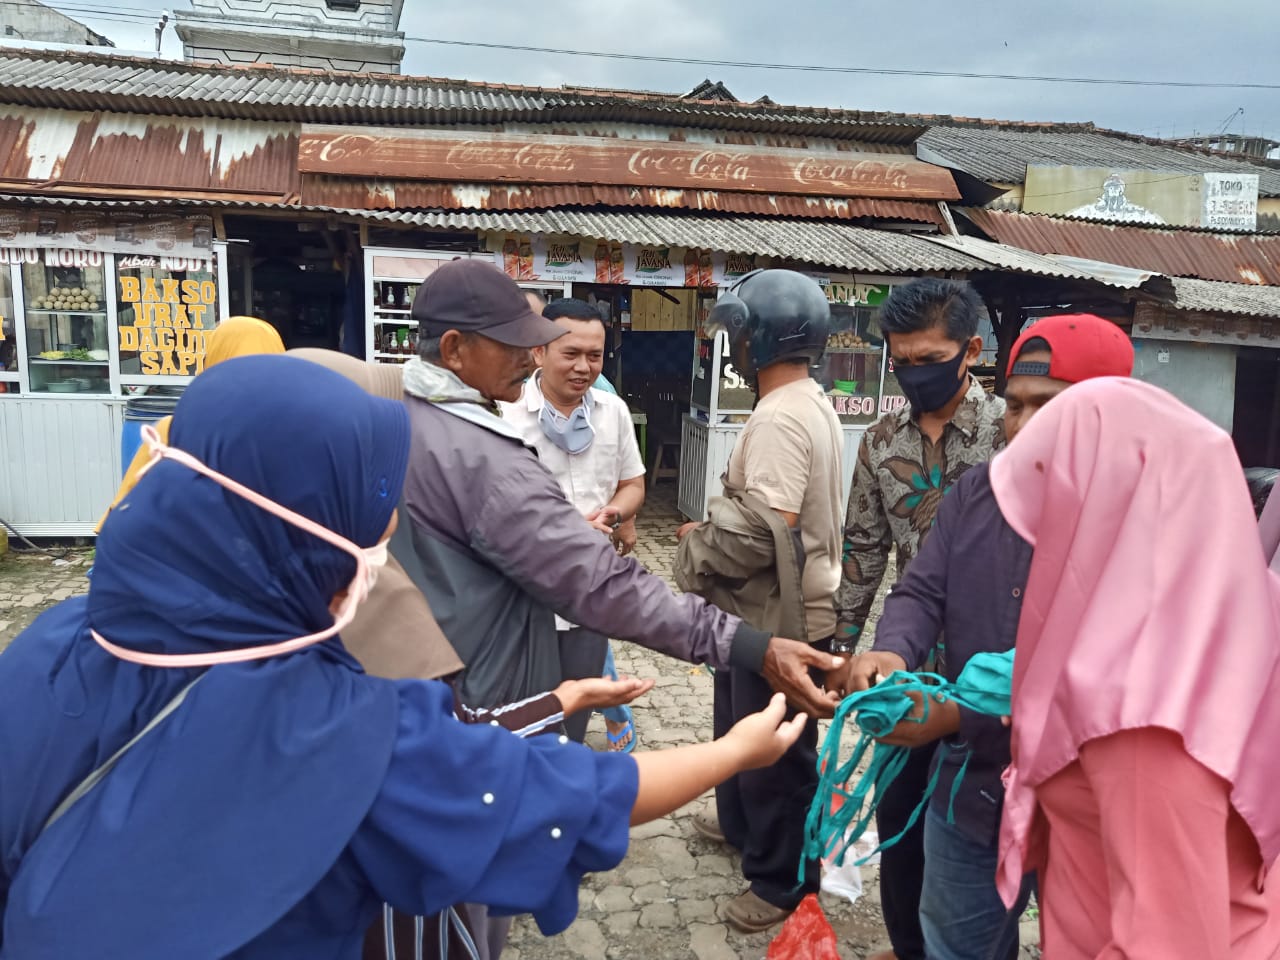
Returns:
<point x="384" y="153"/>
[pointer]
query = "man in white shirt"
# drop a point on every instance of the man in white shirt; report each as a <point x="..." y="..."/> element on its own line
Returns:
<point x="585" y="439"/>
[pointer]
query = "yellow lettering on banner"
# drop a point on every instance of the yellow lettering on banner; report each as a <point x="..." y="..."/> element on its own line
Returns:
<point x="190" y="291"/>
<point x="130" y="289"/>
<point x="188" y="360"/>
<point x="150" y="363"/>
<point x="128" y="338"/>
<point x="163" y="315"/>
<point x="197" y="311"/>
<point x="143" y="318"/>
<point x="170" y="291"/>
<point x="180" y="317"/>
<point x="150" y="294"/>
<point x="165" y="340"/>
<point x="208" y="292"/>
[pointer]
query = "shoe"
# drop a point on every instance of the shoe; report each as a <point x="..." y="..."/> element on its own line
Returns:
<point x="627" y="733"/>
<point x="749" y="914"/>
<point x="708" y="825"/>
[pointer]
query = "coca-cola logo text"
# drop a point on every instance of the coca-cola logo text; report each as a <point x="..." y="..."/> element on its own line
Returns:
<point x="547" y="157"/>
<point x="709" y="166"/>
<point x="822" y="170"/>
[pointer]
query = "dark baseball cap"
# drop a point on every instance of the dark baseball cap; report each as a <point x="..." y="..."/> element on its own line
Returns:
<point x="1081" y="345"/>
<point x="474" y="296"/>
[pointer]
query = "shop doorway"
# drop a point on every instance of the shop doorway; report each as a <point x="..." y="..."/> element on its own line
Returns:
<point x="297" y="276"/>
<point x="1256" y="427"/>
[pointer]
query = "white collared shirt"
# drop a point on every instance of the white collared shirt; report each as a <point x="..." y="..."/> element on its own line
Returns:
<point x="589" y="479"/>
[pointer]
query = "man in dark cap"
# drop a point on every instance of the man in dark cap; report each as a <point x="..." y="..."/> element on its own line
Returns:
<point x="490" y="539"/>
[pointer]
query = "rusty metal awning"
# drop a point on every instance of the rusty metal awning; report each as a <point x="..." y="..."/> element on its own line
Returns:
<point x="481" y="157"/>
<point x="1242" y="258"/>
<point x="383" y="194"/>
<point x="146" y="156"/>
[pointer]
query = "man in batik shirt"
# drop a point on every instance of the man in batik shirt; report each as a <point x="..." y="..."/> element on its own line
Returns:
<point x="906" y="462"/>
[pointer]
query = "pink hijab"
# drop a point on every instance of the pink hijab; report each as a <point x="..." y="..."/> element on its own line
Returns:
<point x="1149" y="602"/>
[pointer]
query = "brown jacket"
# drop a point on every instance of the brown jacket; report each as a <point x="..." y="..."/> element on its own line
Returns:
<point x="746" y="561"/>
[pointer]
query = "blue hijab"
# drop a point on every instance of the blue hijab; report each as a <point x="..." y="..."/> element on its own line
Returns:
<point x="230" y="811"/>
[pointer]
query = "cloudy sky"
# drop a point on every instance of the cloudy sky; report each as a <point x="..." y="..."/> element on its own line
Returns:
<point x="1226" y="42"/>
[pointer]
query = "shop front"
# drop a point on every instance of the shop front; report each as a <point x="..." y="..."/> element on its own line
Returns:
<point x="94" y="310"/>
<point x="392" y="277"/>
<point x="1223" y="365"/>
<point x="652" y="297"/>
<point x="680" y="383"/>
<point x="855" y="372"/>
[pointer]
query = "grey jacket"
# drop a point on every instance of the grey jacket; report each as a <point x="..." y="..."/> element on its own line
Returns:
<point x="488" y="536"/>
<point x="745" y="559"/>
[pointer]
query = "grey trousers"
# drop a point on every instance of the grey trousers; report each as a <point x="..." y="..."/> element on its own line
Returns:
<point x="582" y="656"/>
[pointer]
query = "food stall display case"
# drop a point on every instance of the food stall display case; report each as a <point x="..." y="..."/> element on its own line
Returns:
<point x="855" y="373"/>
<point x="83" y="330"/>
<point x="392" y="278"/>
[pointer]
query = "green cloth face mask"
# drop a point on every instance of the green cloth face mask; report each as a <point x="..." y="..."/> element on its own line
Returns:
<point x="984" y="686"/>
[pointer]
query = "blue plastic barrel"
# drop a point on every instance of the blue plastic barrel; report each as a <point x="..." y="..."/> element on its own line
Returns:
<point x="139" y="411"/>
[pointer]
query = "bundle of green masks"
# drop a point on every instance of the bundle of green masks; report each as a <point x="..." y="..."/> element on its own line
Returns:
<point x="985" y="686"/>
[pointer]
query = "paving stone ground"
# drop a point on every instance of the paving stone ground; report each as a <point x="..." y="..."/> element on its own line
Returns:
<point x="663" y="901"/>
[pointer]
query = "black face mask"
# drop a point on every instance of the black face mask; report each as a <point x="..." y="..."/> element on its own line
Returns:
<point x="931" y="386"/>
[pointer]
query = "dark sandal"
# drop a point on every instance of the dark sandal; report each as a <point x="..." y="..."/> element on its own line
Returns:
<point x="749" y="914"/>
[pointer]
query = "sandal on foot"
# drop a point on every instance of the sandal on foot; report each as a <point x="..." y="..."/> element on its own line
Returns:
<point x="707" y="824"/>
<point x="749" y="914"/>
<point x="615" y="739"/>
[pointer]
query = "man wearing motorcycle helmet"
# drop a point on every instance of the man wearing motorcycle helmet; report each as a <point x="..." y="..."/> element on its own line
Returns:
<point x="777" y="529"/>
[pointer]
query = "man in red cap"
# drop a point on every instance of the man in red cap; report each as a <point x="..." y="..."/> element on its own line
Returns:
<point x="965" y="589"/>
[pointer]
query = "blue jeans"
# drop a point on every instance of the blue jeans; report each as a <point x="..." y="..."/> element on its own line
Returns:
<point x="961" y="912"/>
<point x="614" y="714"/>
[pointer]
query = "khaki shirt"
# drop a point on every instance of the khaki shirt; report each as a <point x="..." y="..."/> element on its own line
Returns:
<point x="789" y="457"/>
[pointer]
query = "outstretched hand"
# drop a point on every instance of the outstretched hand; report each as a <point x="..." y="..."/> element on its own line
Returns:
<point x="597" y="693"/>
<point x="762" y="738"/>
<point x="786" y="667"/>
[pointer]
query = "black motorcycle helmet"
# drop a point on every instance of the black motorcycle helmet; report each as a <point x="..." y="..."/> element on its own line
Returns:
<point x="771" y="316"/>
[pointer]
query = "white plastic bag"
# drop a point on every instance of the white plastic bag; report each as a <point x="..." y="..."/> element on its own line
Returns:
<point x="846" y="881"/>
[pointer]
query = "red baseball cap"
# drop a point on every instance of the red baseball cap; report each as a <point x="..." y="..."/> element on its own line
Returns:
<point x="1082" y="346"/>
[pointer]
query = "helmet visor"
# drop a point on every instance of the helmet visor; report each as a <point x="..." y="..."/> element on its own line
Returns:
<point x="728" y="316"/>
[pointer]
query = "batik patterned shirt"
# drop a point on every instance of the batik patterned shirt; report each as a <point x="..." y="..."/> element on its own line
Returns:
<point x="898" y="482"/>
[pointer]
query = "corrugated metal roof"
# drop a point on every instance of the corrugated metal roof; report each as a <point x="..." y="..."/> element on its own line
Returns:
<point x="1004" y="257"/>
<point x="1002" y="155"/>
<point x="66" y="151"/>
<point x="318" y="190"/>
<point x="94" y="81"/>
<point x="839" y="245"/>
<point x="1236" y="298"/>
<point x="1245" y="258"/>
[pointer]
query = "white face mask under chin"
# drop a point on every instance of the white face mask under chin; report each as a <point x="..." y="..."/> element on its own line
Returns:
<point x="376" y="557"/>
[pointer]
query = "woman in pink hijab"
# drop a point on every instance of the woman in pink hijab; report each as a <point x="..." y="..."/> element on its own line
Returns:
<point x="1145" y="785"/>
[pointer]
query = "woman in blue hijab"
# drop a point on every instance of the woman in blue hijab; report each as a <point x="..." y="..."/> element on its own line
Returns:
<point x="266" y="808"/>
